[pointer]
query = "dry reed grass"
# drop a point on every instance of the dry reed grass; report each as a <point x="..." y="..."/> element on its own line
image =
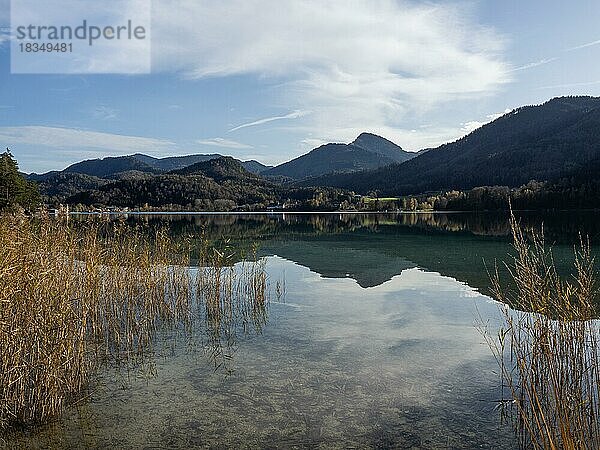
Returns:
<point x="232" y="299"/>
<point x="548" y="347"/>
<point x="74" y="297"/>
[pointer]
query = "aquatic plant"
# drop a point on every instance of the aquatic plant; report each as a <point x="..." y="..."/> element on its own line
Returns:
<point x="231" y="299"/>
<point x="548" y="346"/>
<point x="75" y="297"/>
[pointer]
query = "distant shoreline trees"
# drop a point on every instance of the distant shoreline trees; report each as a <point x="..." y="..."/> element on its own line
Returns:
<point x="565" y="194"/>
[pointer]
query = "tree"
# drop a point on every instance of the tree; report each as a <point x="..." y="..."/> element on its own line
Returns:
<point x="14" y="189"/>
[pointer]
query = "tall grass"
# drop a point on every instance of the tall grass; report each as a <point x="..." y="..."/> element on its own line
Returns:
<point x="232" y="299"/>
<point x="548" y="347"/>
<point x="76" y="297"/>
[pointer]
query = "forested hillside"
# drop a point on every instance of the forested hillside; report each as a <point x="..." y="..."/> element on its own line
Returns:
<point x="544" y="143"/>
<point x="219" y="185"/>
<point x="368" y="151"/>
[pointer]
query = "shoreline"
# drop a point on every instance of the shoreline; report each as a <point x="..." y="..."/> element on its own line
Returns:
<point x="279" y="213"/>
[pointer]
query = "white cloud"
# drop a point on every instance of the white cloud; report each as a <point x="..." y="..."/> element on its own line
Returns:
<point x="82" y="139"/>
<point x="104" y="113"/>
<point x="292" y="115"/>
<point x="588" y="44"/>
<point x="533" y="64"/>
<point x="544" y="61"/>
<point x="312" y="143"/>
<point x="471" y="126"/>
<point x="225" y="143"/>
<point x="468" y="127"/>
<point x="355" y="64"/>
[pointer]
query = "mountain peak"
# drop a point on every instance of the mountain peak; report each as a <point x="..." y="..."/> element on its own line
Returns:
<point x="382" y="146"/>
<point x="377" y="144"/>
<point x="221" y="168"/>
<point x="367" y="151"/>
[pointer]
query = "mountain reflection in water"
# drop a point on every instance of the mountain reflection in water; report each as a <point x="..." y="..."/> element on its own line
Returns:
<point x="373" y="248"/>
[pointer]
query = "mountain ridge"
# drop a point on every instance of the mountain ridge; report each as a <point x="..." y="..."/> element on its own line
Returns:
<point x="554" y="140"/>
<point x="111" y="166"/>
<point x="538" y="142"/>
<point x="365" y="152"/>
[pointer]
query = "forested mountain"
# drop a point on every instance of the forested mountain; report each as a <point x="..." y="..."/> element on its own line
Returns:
<point x="116" y="166"/>
<point x="217" y="185"/>
<point x="60" y="185"/>
<point x="174" y="162"/>
<point x="254" y="166"/>
<point x="224" y="168"/>
<point x="545" y="142"/>
<point x="381" y="146"/>
<point x="220" y="183"/>
<point x="109" y="166"/>
<point x="194" y="192"/>
<point x="556" y="143"/>
<point x="179" y="162"/>
<point x="368" y="151"/>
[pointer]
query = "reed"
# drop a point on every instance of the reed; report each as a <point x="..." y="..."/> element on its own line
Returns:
<point x="232" y="299"/>
<point x="75" y="297"/>
<point x="548" y="346"/>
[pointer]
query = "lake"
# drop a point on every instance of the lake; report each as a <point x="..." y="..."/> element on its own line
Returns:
<point x="374" y="339"/>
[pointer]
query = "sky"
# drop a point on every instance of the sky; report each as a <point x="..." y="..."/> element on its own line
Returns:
<point x="272" y="79"/>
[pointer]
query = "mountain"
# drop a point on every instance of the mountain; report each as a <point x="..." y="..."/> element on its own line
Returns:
<point x="222" y="184"/>
<point x="220" y="169"/>
<point x="59" y="185"/>
<point x="543" y="142"/>
<point x="109" y="166"/>
<point x="381" y="146"/>
<point x="38" y="177"/>
<point x="116" y="167"/>
<point x="254" y="166"/>
<point x="368" y="151"/>
<point x="90" y="175"/>
<point x="174" y="162"/>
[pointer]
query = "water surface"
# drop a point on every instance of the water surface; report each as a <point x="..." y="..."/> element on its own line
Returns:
<point x="376" y="343"/>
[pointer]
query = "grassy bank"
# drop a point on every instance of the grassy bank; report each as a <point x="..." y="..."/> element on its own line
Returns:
<point x="549" y="358"/>
<point x="76" y="297"/>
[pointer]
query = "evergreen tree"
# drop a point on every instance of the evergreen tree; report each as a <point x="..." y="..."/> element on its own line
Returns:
<point x="14" y="189"/>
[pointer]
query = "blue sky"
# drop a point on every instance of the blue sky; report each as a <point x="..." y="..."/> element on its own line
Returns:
<point x="270" y="80"/>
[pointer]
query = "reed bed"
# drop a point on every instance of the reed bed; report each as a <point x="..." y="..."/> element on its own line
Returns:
<point x="233" y="299"/>
<point x="548" y="346"/>
<point x="75" y="297"/>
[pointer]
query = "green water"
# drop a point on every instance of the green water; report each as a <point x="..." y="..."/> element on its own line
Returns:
<point x="374" y="344"/>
